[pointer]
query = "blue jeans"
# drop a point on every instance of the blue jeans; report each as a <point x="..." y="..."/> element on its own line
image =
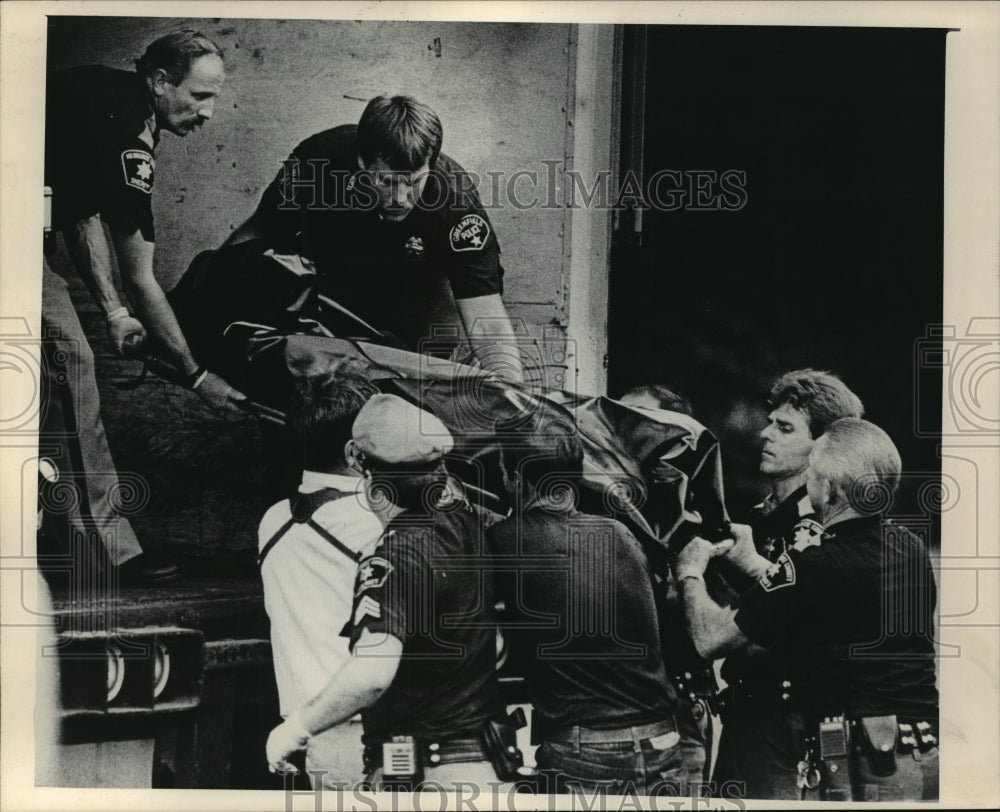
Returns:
<point x="649" y="767"/>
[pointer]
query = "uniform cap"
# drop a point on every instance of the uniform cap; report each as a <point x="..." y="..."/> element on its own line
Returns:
<point x="396" y="432"/>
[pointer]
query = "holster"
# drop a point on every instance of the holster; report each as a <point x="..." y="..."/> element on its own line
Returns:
<point x="500" y="741"/>
<point x="876" y="739"/>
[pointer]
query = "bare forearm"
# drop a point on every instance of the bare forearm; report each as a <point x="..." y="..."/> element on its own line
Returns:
<point x="338" y="702"/>
<point x="362" y="680"/>
<point x="754" y="566"/>
<point x="710" y="626"/>
<point x="135" y="260"/>
<point x="88" y="248"/>
<point x="492" y="336"/>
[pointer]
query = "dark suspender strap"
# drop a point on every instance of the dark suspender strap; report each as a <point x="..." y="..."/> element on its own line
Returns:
<point x="272" y="541"/>
<point x="303" y="506"/>
<point x="355" y="557"/>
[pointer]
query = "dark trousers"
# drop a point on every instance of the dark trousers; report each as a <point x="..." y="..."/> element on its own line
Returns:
<point x="759" y="752"/>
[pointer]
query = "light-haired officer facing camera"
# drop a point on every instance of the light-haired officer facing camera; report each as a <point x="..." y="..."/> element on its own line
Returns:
<point x="856" y="604"/>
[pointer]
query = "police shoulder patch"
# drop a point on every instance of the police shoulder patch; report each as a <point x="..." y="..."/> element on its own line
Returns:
<point x="372" y="574"/>
<point x="138" y="165"/>
<point x="808" y="533"/>
<point x="781" y="573"/>
<point x="470" y="233"/>
<point x="367" y="607"/>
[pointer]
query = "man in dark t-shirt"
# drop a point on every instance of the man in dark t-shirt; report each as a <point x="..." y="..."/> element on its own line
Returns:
<point x="396" y="231"/>
<point x="422" y="629"/>
<point x="583" y="623"/>
<point x="856" y="605"/>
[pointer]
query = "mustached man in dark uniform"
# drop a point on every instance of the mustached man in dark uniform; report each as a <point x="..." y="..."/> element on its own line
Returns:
<point x="855" y="604"/>
<point x="584" y="627"/>
<point x="761" y="708"/>
<point x="396" y="232"/>
<point x="101" y="130"/>
<point x="423" y="633"/>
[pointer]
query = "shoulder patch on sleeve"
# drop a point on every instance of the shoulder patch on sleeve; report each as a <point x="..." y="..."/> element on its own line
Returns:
<point x="372" y="574"/>
<point x="138" y="165"/>
<point x="367" y="607"/>
<point x="470" y="233"/>
<point x="781" y="573"/>
<point x="807" y="533"/>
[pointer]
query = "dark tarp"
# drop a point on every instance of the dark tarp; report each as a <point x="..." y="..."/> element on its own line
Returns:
<point x="255" y="318"/>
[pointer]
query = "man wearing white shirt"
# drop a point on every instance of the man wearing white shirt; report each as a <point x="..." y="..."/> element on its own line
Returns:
<point x="309" y="548"/>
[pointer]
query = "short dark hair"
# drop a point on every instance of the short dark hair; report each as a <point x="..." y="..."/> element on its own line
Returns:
<point x="861" y="463"/>
<point x="410" y="487"/>
<point x="666" y="397"/>
<point x="821" y="395"/>
<point x="320" y="415"/>
<point x="401" y="131"/>
<point x="174" y="53"/>
<point x="545" y="451"/>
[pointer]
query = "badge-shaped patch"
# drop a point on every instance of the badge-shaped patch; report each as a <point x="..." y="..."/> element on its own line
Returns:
<point x="808" y="533"/>
<point x="372" y="574"/>
<point x="470" y="234"/>
<point x="414" y="247"/>
<point x="781" y="573"/>
<point x="138" y="165"/>
<point x="367" y="607"/>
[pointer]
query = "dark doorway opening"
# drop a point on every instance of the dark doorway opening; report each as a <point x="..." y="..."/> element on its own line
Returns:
<point x="830" y="257"/>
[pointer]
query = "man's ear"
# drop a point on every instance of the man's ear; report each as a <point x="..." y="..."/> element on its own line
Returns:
<point x="828" y="494"/>
<point x="353" y="457"/>
<point x="158" y="80"/>
<point x="361" y="163"/>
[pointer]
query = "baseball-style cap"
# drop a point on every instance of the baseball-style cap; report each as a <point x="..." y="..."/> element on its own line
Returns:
<point x="396" y="432"/>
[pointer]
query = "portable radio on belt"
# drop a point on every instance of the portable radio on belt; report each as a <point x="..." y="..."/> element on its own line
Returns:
<point x="401" y="764"/>
<point x="834" y="746"/>
<point x="833" y="738"/>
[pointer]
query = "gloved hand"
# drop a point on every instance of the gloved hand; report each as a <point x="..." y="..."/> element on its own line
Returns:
<point x="743" y="554"/>
<point x="126" y="331"/>
<point x="694" y="556"/>
<point x="287" y="738"/>
<point x="217" y="393"/>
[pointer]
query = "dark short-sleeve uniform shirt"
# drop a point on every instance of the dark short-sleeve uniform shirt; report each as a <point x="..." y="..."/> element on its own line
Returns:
<point x="791" y="523"/>
<point x="95" y="160"/>
<point x="422" y="586"/>
<point x="857" y="610"/>
<point x="397" y="276"/>
<point x="584" y="620"/>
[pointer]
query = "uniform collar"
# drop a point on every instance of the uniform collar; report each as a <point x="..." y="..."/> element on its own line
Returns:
<point x="316" y="481"/>
<point x="795" y="504"/>
<point x="856" y="526"/>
